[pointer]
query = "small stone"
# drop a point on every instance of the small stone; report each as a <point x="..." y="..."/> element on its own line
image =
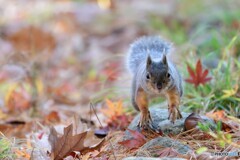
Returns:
<point x="163" y="142"/>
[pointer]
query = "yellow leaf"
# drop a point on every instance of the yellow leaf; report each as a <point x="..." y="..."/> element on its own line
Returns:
<point x="2" y="115"/>
<point x="39" y="85"/>
<point x="230" y="92"/>
<point x="113" y="108"/>
<point x="104" y="4"/>
<point x="22" y="154"/>
<point x="9" y="92"/>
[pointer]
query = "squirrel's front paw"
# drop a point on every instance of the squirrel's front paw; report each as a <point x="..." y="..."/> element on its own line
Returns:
<point x="145" y="121"/>
<point x="174" y="113"/>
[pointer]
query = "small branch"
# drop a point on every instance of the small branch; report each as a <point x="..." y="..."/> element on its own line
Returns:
<point x="92" y="108"/>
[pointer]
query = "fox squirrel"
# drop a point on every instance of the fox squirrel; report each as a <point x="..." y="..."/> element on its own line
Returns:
<point x="153" y="75"/>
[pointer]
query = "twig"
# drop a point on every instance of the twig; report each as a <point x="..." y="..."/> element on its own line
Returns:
<point x="92" y="108"/>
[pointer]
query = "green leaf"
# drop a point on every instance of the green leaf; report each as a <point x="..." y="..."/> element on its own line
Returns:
<point x="203" y="127"/>
<point x="222" y="144"/>
<point x="201" y="150"/>
<point x="219" y="126"/>
<point x="228" y="136"/>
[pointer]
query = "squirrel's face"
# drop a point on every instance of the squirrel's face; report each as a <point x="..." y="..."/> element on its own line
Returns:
<point x="157" y="75"/>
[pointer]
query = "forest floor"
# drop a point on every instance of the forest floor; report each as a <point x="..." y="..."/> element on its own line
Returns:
<point x="65" y="90"/>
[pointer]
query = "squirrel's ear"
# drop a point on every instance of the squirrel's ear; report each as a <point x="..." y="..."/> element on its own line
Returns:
<point x="149" y="61"/>
<point x="164" y="60"/>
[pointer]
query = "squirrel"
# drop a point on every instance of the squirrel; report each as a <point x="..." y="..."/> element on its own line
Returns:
<point x="153" y="75"/>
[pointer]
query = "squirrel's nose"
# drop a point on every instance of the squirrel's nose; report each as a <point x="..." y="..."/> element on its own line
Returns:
<point x="159" y="86"/>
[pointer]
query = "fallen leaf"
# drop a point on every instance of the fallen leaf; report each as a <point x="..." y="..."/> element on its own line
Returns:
<point x="17" y="128"/>
<point x="199" y="76"/>
<point x="67" y="143"/>
<point x="32" y="39"/>
<point x="217" y="115"/>
<point x="137" y="141"/>
<point x="17" y="98"/>
<point x="168" y="152"/>
<point x="228" y="123"/>
<point x="2" y="115"/>
<point x="53" y="117"/>
<point x="113" y="108"/>
<point x="119" y="122"/>
<point x="117" y="119"/>
<point x="104" y="4"/>
<point x="24" y="152"/>
<point x="201" y="150"/>
<point x="230" y="92"/>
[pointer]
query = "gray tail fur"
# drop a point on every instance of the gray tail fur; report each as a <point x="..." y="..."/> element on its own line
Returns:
<point x="154" y="46"/>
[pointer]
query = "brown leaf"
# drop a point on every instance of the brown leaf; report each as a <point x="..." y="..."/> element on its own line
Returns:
<point x="17" y="128"/>
<point x="137" y="141"/>
<point x="17" y="100"/>
<point x="217" y="115"/>
<point x="168" y="152"/>
<point x="120" y="122"/>
<point x="228" y="123"/>
<point x="63" y="146"/>
<point x="52" y="117"/>
<point x="32" y="39"/>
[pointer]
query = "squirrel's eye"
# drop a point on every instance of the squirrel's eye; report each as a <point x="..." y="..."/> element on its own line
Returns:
<point x="148" y="76"/>
<point x="168" y="75"/>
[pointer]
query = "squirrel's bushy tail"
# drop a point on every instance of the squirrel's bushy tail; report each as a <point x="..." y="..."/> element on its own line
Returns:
<point x="154" y="46"/>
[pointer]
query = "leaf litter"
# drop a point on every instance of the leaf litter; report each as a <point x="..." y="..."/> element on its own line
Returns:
<point x="58" y="56"/>
<point x="64" y="145"/>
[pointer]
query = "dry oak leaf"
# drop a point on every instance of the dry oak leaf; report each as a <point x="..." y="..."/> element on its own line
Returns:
<point x="137" y="141"/>
<point x="67" y="143"/>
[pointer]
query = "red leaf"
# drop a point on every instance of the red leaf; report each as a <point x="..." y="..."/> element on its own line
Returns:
<point x="206" y="80"/>
<point x="191" y="72"/>
<point x="199" y="76"/>
<point x="198" y="69"/>
<point x="137" y="141"/>
<point x="205" y="73"/>
<point x="136" y="134"/>
<point x="119" y="122"/>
